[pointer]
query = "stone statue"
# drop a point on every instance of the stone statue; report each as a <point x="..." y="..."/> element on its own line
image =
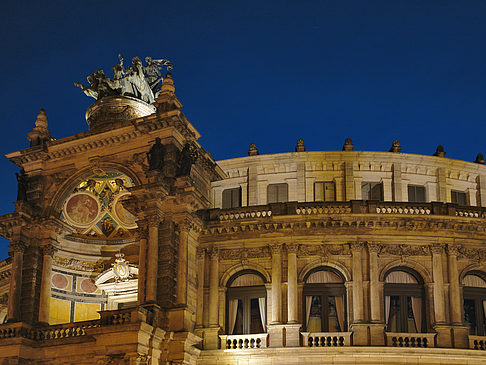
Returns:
<point x="21" y="185"/>
<point x="156" y="156"/>
<point x="187" y="158"/>
<point x="153" y="74"/>
<point x="138" y="81"/>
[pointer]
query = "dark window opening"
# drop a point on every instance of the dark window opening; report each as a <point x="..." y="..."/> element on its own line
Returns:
<point x="416" y="193"/>
<point x="372" y="191"/>
<point x="458" y="197"/>
<point x="277" y="193"/>
<point x="324" y="191"/>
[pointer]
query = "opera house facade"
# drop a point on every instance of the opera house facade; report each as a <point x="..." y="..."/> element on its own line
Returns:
<point x="129" y="244"/>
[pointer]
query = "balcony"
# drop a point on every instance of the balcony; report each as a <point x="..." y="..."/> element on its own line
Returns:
<point x="477" y="342"/>
<point x="410" y="339"/>
<point x="326" y="339"/>
<point x="236" y="342"/>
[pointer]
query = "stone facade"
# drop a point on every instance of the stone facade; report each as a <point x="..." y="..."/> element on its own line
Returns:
<point x="131" y="245"/>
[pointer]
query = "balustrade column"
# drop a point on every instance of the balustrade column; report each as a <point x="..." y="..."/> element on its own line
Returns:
<point x="292" y="313"/>
<point x="142" y="262"/>
<point x="13" y="310"/>
<point x="358" y="310"/>
<point x="201" y="256"/>
<point x="276" y="284"/>
<point x="152" y="259"/>
<point x="45" y="293"/>
<point x="438" y="284"/>
<point x="454" y="289"/>
<point x="214" y="289"/>
<point x="375" y="302"/>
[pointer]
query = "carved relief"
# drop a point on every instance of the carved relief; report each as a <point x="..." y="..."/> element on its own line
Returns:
<point x="74" y="264"/>
<point x="244" y="253"/>
<point x="404" y="250"/>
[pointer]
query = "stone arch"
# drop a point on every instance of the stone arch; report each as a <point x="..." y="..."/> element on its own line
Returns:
<point x="317" y="263"/>
<point x="240" y="267"/>
<point x="80" y="175"/>
<point x="419" y="268"/>
<point x="472" y="267"/>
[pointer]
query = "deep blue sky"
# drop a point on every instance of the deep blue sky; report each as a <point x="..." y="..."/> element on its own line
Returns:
<point x="264" y="72"/>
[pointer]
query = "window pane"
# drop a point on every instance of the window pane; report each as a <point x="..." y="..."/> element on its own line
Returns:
<point x="329" y="192"/>
<point x="420" y="194"/>
<point x="458" y="197"/>
<point x="318" y="191"/>
<point x="395" y="312"/>
<point x="411" y="328"/>
<point x="332" y="315"/>
<point x="376" y="193"/>
<point x="255" y="319"/>
<point x="238" y="330"/>
<point x="283" y="190"/>
<point x="314" y="321"/>
<point x="231" y="198"/>
<point x="272" y="194"/>
<point x="366" y="191"/>
<point x="277" y="193"/>
<point x="470" y="315"/>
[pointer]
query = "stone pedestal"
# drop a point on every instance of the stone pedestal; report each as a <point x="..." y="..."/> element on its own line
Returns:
<point x="292" y="335"/>
<point x="460" y="336"/>
<point x="377" y="334"/>
<point x="360" y="334"/>
<point x="180" y="319"/>
<point x="211" y="338"/>
<point x="276" y="335"/>
<point x="444" y="335"/>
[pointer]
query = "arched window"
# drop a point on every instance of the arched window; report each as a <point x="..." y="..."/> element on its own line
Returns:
<point x="246" y="303"/>
<point x="475" y="302"/>
<point x="404" y="301"/>
<point x="324" y="301"/>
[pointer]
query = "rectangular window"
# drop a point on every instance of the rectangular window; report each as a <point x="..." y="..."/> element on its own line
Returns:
<point x="416" y="193"/>
<point x="371" y="191"/>
<point x="458" y="197"/>
<point x="277" y="193"/>
<point x="324" y="191"/>
<point x="232" y="198"/>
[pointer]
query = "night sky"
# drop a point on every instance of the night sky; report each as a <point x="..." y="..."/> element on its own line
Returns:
<point x="264" y="72"/>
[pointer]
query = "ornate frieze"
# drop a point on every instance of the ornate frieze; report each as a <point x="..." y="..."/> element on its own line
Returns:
<point x="324" y="250"/>
<point x="244" y="253"/>
<point x="80" y="265"/>
<point x="404" y="250"/>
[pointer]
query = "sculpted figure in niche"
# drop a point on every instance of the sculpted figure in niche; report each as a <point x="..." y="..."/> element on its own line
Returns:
<point x="156" y="156"/>
<point x="187" y="158"/>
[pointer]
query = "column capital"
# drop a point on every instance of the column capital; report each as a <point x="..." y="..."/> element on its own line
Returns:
<point x="48" y="250"/>
<point x="453" y="250"/>
<point x="292" y="248"/>
<point x="437" y="248"/>
<point x="200" y="252"/>
<point x="18" y="246"/>
<point x="275" y="249"/>
<point x="213" y="253"/>
<point x="375" y="247"/>
<point x="356" y="246"/>
<point x="154" y="220"/>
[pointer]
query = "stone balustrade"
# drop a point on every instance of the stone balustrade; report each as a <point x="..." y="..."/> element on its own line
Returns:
<point x="233" y="342"/>
<point x="326" y="339"/>
<point x="477" y="342"/>
<point x="348" y="207"/>
<point x="410" y="339"/>
<point x="65" y="330"/>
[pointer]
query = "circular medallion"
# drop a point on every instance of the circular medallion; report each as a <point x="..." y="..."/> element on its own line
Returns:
<point x="88" y="286"/>
<point x="81" y="209"/>
<point x="126" y="218"/>
<point x="59" y="281"/>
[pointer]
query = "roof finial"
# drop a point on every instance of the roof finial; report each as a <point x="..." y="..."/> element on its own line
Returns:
<point x="480" y="159"/>
<point x="40" y="134"/>
<point x="395" y="146"/>
<point x="252" y="151"/>
<point x="440" y="151"/>
<point x="348" y="145"/>
<point x="300" y="147"/>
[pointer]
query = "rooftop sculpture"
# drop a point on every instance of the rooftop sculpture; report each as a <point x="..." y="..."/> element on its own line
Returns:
<point x="138" y="81"/>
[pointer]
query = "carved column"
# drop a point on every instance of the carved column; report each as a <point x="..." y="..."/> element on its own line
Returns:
<point x="437" y="272"/>
<point x="152" y="259"/>
<point x="213" y="289"/>
<point x="45" y="293"/>
<point x="142" y="261"/>
<point x="460" y="332"/>
<point x="358" y="312"/>
<point x="276" y="283"/>
<point x="182" y="264"/>
<point x="375" y="300"/>
<point x="201" y="260"/>
<point x="454" y="290"/>
<point x="13" y="311"/>
<point x="292" y="313"/>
